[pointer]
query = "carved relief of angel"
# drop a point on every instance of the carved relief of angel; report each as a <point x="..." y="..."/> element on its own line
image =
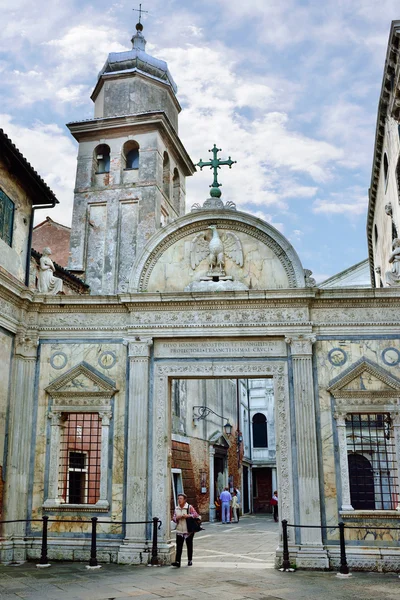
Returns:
<point x="228" y="244"/>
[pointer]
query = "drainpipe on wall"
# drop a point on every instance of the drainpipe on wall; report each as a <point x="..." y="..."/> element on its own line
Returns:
<point x="29" y="249"/>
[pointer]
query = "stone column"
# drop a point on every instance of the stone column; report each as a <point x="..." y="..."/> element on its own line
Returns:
<point x="53" y="496"/>
<point x="396" y="433"/>
<point x="274" y="480"/>
<point x="306" y="444"/>
<point x="343" y="461"/>
<point x="137" y="447"/>
<point x="105" y="442"/>
<point x="20" y="428"/>
<point x="211" y="452"/>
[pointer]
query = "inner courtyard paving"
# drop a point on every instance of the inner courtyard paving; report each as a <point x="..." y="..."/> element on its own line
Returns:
<point x="231" y="562"/>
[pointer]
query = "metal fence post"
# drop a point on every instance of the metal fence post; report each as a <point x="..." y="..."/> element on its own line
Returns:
<point x="286" y="560"/>
<point x="93" y="548"/>
<point x="43" y="557"/>
<point x="343" y="569"/>
<point x="154" y="548"/>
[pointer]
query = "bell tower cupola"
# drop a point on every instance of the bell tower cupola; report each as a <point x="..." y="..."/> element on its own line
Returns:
<point x="131" y="170"/>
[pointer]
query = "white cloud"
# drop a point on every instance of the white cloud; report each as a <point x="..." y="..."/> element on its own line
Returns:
<point x="351" y="203"/>
<point x="53" y="155"/>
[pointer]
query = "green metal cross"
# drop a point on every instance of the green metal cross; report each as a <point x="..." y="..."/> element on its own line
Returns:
<point x="215" y="164"/>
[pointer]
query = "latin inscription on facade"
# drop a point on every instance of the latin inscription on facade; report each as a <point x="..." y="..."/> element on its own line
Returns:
<point x="262" y="348"/>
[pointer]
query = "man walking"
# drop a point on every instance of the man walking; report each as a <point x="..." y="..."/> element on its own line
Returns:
<point x="226" y="498"/>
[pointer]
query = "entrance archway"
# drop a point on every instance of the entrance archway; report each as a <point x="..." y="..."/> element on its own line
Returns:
<point x="165" y="371"/>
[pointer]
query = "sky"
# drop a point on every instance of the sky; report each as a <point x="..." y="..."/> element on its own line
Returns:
<point x="288" y="89"/>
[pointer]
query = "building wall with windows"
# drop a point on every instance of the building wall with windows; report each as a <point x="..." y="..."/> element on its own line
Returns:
<point x="383" y="222"/>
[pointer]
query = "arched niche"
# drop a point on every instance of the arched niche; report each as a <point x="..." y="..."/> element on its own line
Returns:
<point x="269" y="260"/>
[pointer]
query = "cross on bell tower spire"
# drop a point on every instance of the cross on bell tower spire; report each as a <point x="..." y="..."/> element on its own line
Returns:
<point x="215" y="164"/>
<point x="140" y="11"/>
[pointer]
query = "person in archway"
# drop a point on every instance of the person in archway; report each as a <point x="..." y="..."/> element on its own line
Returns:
<point x="235" y="508"/>
<point x="274" y="504"/>
<point x="225" y="499"/>
<point x="182" y="512"/>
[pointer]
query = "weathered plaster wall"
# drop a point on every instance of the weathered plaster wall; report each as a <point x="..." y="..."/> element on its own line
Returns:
<point x="114" y="216"/>
<point x="262" y="269"/>
<point x="13" y="259"/>
<point x="134" y="95"/>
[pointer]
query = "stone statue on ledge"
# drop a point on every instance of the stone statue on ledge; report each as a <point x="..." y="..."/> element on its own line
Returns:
<point x="47" y="283"/>
<point x="393" y="276"/>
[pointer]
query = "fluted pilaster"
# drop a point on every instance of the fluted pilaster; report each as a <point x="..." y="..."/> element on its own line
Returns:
<point x="306" y="437"/>
<point x="20" y="428"/>
<point x="136" y="484"/>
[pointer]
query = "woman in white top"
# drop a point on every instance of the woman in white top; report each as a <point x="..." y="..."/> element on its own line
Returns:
<point x="235" y="508"/>
<point x="182" y="512"/>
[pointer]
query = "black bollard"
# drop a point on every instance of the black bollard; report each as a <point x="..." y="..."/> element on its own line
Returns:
<point x="93" y="547"/>
<point x="43" y="557"/>
<point x="154" y="548"/>
<point x="286" y="560"/>
<point x="343" y="569"/>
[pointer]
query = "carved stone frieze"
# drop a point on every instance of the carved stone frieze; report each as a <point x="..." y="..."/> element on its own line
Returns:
<point x="213" y="315"/>
<point x="357" y="315"/>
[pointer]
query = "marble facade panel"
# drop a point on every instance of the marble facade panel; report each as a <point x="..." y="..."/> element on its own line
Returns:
<point x="57" y="359"/>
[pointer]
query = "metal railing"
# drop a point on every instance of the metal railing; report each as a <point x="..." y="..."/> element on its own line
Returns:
<point x="44" y="561"/>
<point x="343" y="568"/>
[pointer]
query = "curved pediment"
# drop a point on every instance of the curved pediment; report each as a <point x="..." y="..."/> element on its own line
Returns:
<point x="217" y="251"/>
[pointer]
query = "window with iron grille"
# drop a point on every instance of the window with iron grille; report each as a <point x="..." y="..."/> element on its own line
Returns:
<point x="80" y="458"/>
<point x="6" y="218"/>
<point x="372" y="461"/>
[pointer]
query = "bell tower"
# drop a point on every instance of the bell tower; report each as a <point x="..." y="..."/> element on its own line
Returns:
<point x="131" y="170"/>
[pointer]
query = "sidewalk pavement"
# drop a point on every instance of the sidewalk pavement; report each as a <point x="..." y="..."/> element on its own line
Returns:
<point x="230" y="562"/>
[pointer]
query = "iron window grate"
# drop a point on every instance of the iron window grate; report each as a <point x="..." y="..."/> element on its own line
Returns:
<point x="80" y="458"/>
<point x="372" y="461"/>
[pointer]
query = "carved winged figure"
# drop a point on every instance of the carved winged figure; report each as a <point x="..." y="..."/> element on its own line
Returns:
<point x="227" y="244"/>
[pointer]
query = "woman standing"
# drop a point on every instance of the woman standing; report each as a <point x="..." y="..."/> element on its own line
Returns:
<point x="235" y="508"/>
<point x="182" y="512"/>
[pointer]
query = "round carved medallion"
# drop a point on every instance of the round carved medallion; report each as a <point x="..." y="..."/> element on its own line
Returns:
<point x="391" y="357"/>
<point x="58" y="360"/>
<point x="107" y="359"/>
<point x="337" y="357"/>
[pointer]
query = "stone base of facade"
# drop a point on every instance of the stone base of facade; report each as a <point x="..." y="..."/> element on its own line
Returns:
<point x="362" y="558"/>
<point x="132" y="553"/>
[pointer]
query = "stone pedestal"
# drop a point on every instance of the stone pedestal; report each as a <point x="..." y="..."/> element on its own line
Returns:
<point x="137" y="451"/>
<point x="311" y="554"/>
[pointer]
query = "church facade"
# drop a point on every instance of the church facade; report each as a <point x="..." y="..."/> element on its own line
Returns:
<point x="86" y="414"/>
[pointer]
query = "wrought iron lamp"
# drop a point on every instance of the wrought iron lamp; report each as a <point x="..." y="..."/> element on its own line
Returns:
<point x="201" y="412"/>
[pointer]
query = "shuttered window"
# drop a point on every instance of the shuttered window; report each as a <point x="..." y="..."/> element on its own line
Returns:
<point x="6" y="218"/>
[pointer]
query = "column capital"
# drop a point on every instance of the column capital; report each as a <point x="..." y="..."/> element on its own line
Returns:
<point x="139" y="347"/>
<point x="211" y="450"/>
<point x="26" y="345"/>
<point x="341" y="418"/>
<point x="301" y="344"/>
<point x="105" y="417"/>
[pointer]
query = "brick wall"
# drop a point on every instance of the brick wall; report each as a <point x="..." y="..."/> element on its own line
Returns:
<point x="181" y="459"/>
